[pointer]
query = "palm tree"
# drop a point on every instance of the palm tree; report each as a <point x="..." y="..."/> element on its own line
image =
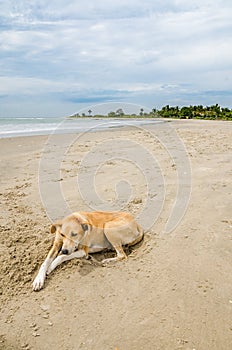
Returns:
<point x="120" y="112"/>
<point x="90" y="112"/>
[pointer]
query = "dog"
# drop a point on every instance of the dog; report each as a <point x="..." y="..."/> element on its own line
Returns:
<point x="82" y="233"/>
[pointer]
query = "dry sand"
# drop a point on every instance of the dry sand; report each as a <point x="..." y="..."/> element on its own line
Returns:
<point x="173" y="292"/>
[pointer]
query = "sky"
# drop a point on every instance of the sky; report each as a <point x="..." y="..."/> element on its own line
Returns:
<point x="59" y="57"/>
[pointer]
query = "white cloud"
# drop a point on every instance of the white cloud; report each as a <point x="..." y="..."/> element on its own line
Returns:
<point x="29" y="86"/>
<point x="136" y="48"/>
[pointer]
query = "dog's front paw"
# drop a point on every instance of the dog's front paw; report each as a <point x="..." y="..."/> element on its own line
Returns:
<point x="38" y="283"/>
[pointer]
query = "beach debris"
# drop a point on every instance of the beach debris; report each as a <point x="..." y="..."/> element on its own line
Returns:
<point x="32" y="325"/>
<point x="44" y="307"/>
<point x="137" y="201"/>
<point x="35" y="334"/>
<point x="35" y="329"/>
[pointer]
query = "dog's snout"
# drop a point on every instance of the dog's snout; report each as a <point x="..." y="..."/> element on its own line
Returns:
<point x="64" y="251"/>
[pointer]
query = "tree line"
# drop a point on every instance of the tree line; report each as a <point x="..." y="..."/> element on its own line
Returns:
<point x="214" y="112"/>
<point x="195" y="112"/>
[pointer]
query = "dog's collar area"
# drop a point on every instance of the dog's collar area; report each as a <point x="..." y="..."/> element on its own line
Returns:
<point x="82" y="239"/>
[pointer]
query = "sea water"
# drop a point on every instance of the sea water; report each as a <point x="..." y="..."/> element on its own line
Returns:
<point x="13" y="127"/>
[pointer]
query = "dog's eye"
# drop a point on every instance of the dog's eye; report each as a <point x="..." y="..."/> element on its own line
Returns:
<point x="73" y="234"/>
<point x="61" y="234"/>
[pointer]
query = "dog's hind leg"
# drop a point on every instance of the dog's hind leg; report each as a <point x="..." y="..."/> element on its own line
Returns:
<point x="116" y="244"/>
<point x="120" y="255"/>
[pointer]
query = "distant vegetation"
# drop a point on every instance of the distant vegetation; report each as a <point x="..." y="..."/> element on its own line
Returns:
<point x="214" y="112"/>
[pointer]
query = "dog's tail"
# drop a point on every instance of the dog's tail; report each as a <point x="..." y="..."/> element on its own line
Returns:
<point x="140" y="235"/>
<point x="141" y="231"/>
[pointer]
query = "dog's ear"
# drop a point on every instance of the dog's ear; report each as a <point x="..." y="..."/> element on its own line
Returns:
<point x="54" y="227"/>
<point x="85" y="227"/>
<point x="82" y="220"/>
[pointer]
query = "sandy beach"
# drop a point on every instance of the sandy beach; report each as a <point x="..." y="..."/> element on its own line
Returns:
<point x="173" y="292"/>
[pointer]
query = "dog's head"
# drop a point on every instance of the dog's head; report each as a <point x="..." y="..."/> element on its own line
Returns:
<point x="71" y="230"/>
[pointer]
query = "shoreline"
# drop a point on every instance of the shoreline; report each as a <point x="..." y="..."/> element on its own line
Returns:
<point x="67" y="126"/>
<point x="146" y="122"/>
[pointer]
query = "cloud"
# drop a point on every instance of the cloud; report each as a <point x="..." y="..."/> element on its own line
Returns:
<point x="122" y="49"/>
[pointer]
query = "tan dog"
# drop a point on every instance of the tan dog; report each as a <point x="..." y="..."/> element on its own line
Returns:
<point x="82" y="233"/>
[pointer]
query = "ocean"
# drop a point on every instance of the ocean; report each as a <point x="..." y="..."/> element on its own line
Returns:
<point x="13" y="127"/>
